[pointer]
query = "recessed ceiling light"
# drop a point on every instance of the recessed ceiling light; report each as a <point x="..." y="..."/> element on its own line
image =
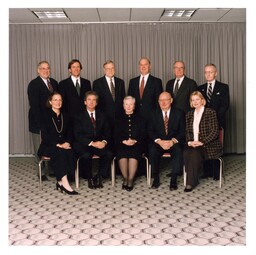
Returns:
<point x="178" y="13"/>
<point x="50" y="14"/>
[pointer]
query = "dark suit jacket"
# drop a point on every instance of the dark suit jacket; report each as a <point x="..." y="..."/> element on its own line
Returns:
<point x="38" y="94"/>
<point x="84" y="132"/>
<point x="208" y="132"/>
<point x="106" y="104"/>
<point x="176" y="126"/>
<point x="181" y="101"/>
<point x="149" y="101"/>
<point x="219" y="100"/>
<point x="72" y="102"/>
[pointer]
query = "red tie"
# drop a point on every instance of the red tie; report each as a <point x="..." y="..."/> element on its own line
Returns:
<point x="93" y="121"/>
<point x="166" y="119"/>
<point x="142" y="87"/>
<point x="49" y="86"/>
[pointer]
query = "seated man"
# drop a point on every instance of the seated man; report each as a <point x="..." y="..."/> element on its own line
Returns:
<point x="92" y="134"/>
<point x="166" y="130"/>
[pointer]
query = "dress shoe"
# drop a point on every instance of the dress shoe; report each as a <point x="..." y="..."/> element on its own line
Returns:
<point x="168" y="175"/>
<point x="188" y="188"/>
<point x="129" y="188"/>
<point x="44" y="178"/>
<point x="90" y="184"/>
<point x="173" y="186"/>
<point x="73" y="192"/>
<point x="124" y="186"/>
<point x="155" y="184"/>
<point x="58" y="186"/>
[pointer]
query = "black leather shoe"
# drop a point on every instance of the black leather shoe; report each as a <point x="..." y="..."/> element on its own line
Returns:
<point x="188" y="190"/>
<point x="173" y="187"/>
<point x="155" y="184"/>
<point x="129" y="188"/>
<point x="124" y="186"/>
<point x="73" y="192"/>
<point x="168" y="175"/>
<point x="44" y="178"/>
<point x="90" y="184"/>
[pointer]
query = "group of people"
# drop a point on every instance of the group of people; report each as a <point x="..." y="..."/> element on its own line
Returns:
<point x="72" y="119"/>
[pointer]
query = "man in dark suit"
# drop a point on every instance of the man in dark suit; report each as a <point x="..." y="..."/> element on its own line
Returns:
<point x="181" y="87"/>
<point x="38" y="91"/>
<point x="166" y="130"/>
<point x="92" y="135"/>
<point x="218" y="96"/>
<point x="145" y="89"/>
<point x="111" y="92"/>
<point x="73" y="89"/>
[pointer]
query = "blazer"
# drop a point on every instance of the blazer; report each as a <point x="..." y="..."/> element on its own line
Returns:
<point x="38" y="94"/>
<point x="219" y="100"/>
<point x="49" y="134"/>
<point x="176" y="126"/>
<point x="208" y="132"/>
<point x="72" y="102"/>
<point x="84" y="132"/>
<point x="149" y="101"/>
<point x="106" y="104"/>
<point x="182" y="99"/>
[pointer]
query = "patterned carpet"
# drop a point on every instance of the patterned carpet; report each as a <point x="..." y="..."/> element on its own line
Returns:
<point x="112" y="217"/>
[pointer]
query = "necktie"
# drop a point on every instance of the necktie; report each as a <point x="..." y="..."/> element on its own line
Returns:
<point x="112" y="89"/>
<point x="49" y="85"/>
<point x="142" y="85"/>
<point x="209" y="93"/>
<point x="176" y="88"/>
<point x="77" y="87"/>
<point x="166" y="119"/>
<point x="93" y="121"/>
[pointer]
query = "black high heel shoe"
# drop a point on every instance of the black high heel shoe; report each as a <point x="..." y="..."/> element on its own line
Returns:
<point x="129" y="188"/>
<point x="58" y="186"/>
<point x="68" y="192"/>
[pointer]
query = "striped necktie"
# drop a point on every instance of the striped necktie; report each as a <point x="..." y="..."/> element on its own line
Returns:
<point x="209" y="93"/>
<point x="112" y="89"/>
<point x="166" y="119"/>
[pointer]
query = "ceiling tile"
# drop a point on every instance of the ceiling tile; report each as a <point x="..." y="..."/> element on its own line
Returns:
<point x="82" y="14"/>
<point x="21" y="15"/>
<point x="146" y="14"/>
<point x="205" y="15"/>
<point x="235" y="15"/>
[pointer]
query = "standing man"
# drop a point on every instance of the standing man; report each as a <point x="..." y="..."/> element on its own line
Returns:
<point x="111" y="92"/>
<point x="92" y="135"/>
<point x="166" y="130"/>
<point x="181" y="87"/>
<point x="217" y="97"/>
<point x="145" y="89"/>
<point x="38" y="91"/>
<point x="73" y="89"/>
<point x="216" y="93"/>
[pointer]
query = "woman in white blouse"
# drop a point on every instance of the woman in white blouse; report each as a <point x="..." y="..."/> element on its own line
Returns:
<point x="202" y="139"/>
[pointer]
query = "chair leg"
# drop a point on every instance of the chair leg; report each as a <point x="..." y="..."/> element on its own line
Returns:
<point x="148" y="171"/>
<point x="113" y="173"/>
<point x="77" y="174"/>
<point x="221" y="169"/>
<point x="40" y="174"/>
<point x="184" y="176"/>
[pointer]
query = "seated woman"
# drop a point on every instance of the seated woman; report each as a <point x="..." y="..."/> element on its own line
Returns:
<point x="56" y="143"/>
<point x="129" y="135"/>
<point x="202" y="139"/>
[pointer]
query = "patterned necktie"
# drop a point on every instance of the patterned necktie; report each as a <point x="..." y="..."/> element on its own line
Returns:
<point x="49" y="85"/>
<point x="209" y="93"/>
<point x="77" y="87"/>
<point x="93" y="121"/>
<point x="166" y="119"/>
<point x="176" y="88"/>
<point x="112" y="89"/>
<point x="142" y="85"/>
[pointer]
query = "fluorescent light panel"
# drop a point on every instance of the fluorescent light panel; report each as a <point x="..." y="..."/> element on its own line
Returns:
<point x="50" y="14"/>
<point x="178" y="13"/>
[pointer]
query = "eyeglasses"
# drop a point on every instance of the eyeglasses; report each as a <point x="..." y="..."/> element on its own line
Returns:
<point x="44" y="69"/>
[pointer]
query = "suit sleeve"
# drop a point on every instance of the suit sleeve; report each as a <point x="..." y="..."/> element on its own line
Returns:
<point x="225" y="101"/>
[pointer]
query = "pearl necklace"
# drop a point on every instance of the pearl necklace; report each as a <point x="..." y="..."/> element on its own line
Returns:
<point x="61" y="128"/>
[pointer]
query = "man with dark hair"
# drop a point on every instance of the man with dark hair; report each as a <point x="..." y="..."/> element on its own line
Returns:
<point x="92" y="135"/>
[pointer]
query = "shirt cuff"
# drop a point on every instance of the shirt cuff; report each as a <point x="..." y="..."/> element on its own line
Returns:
<point x="175" y="140"/>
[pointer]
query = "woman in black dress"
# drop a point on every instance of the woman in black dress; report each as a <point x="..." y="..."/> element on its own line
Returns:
<point x="129" y="136"/>
<point x="56" y="143"/>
